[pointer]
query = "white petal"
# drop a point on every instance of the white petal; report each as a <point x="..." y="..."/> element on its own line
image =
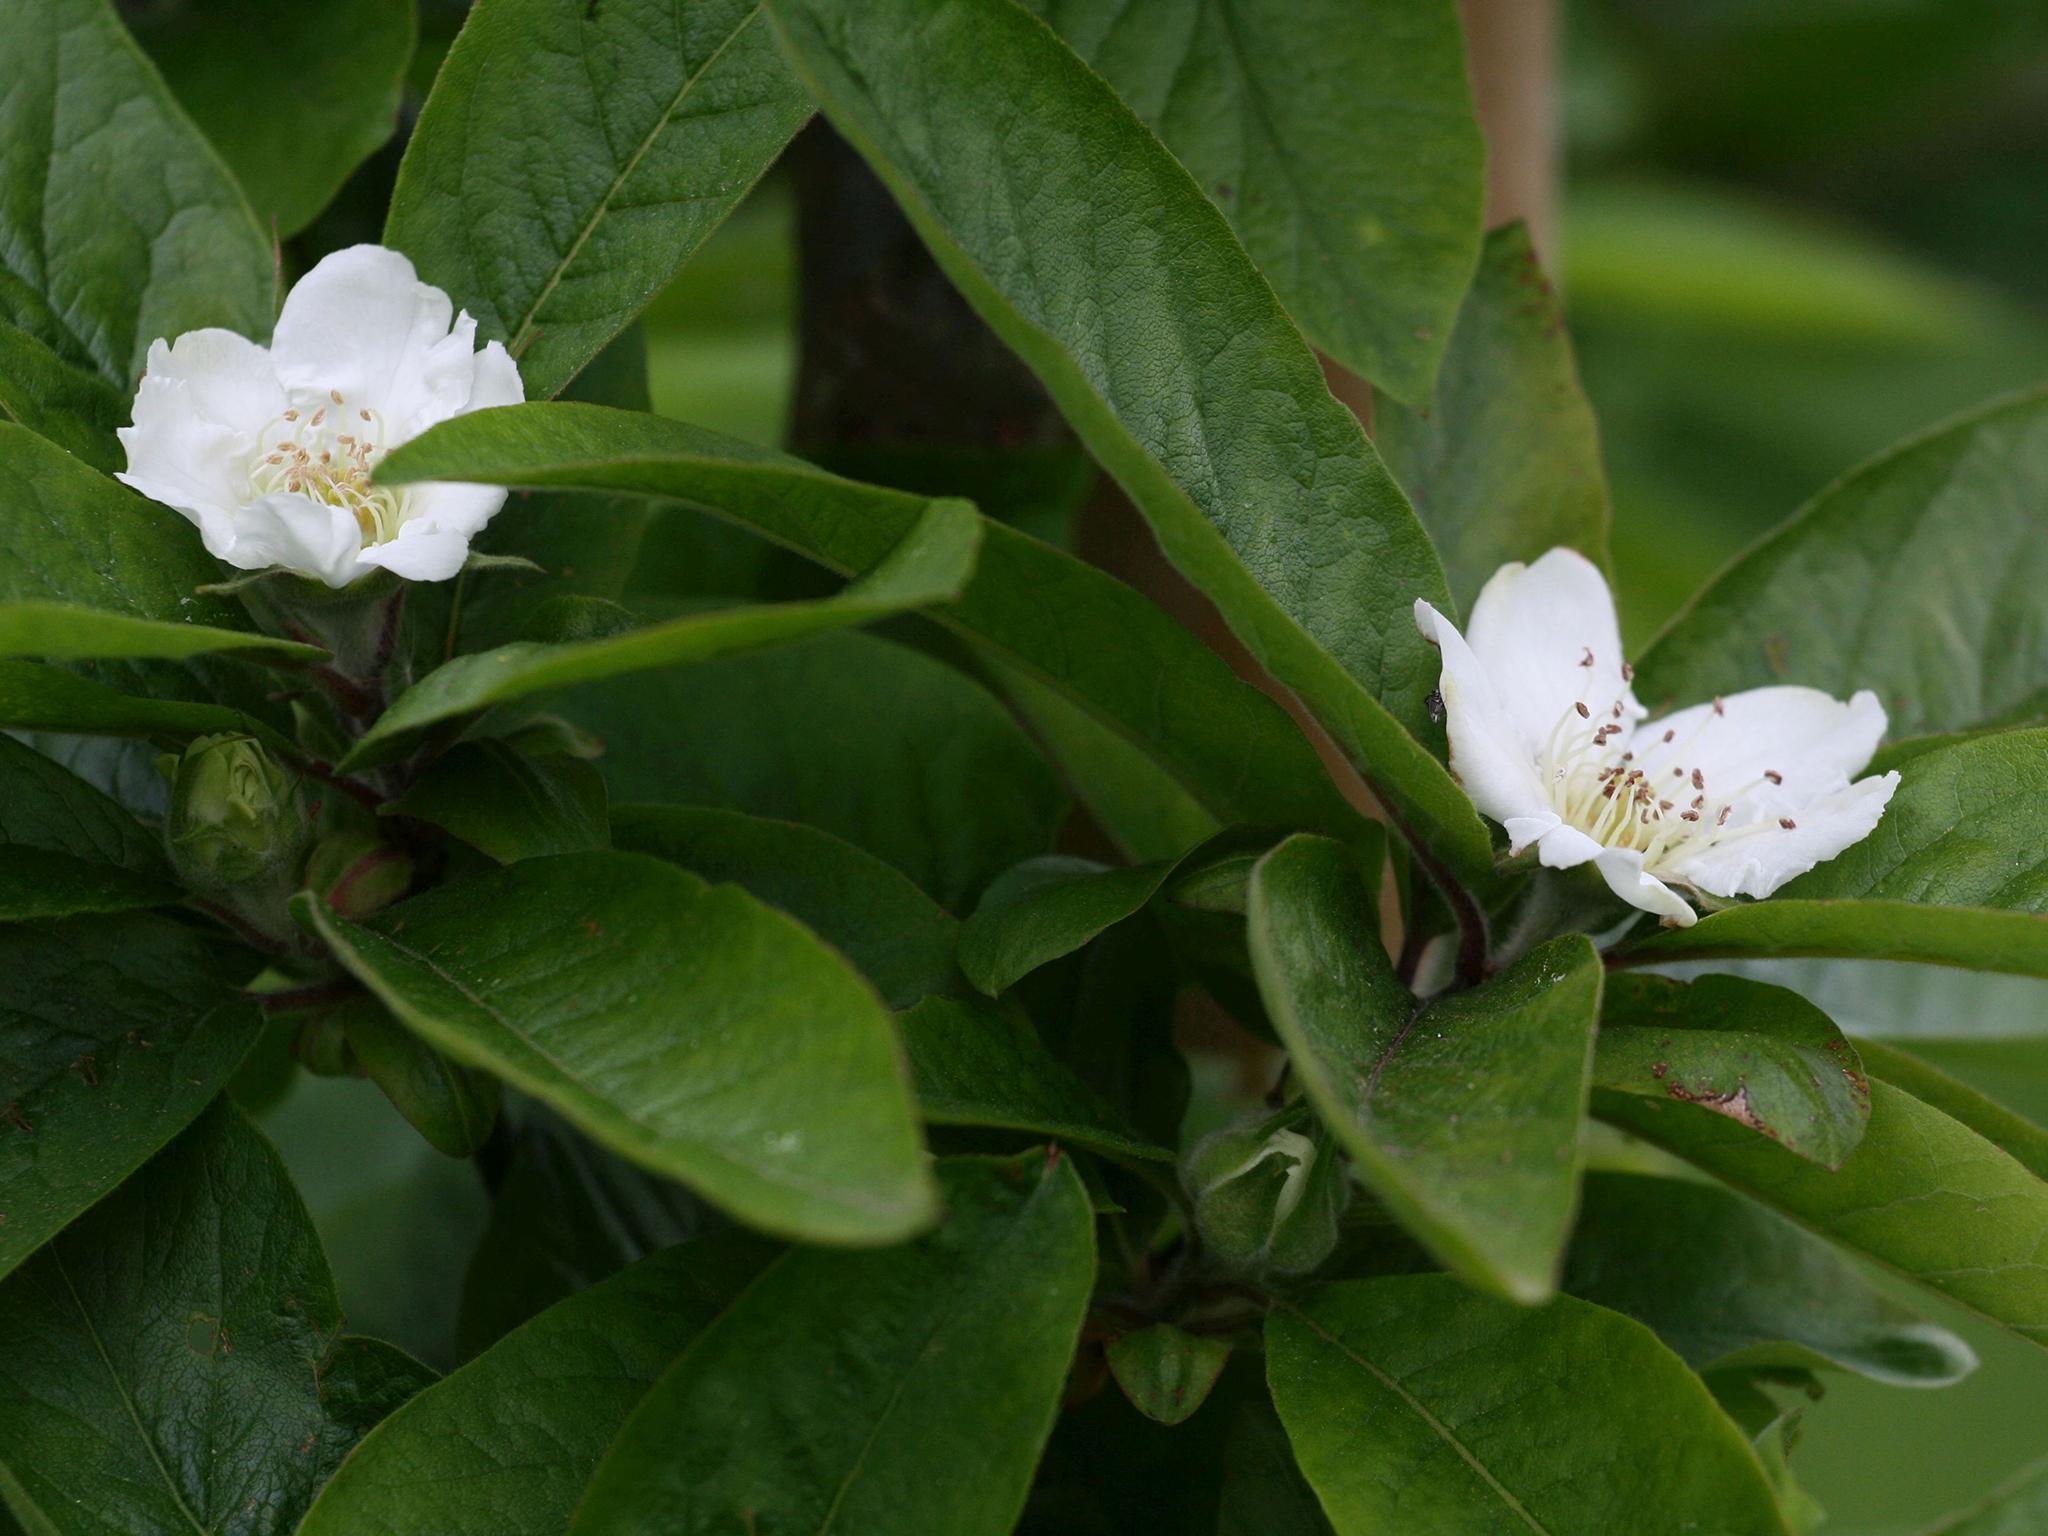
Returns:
<point x="1812" y="741"/>
<point x="497" y="379"/>
<point x="1622" y="868"/>
<point x="1532" y="629"/>
<point x="198" y="414"/>
<point x="1559" y="846"/>
<point x="299" y="533"/>
<point x="1487" y="753"/>
<point x="362" y="323"/>
<point x="441" y="519"/>
<point x="1755" y="861"/>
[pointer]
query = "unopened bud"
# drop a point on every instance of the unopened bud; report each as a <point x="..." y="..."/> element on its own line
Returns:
<point x="1267" y="1194"/>
<point x="355" y="872"/>
<point x="236" y="818"/>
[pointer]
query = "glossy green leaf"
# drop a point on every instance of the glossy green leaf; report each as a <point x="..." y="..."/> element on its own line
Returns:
<point x="2017" y="1507"/>
<point x="454" y="1461"/>
<point x="1078" y="632"/>
<point x="1462" y="1116"/>
<point x="290" y="149"/>
<point x="1336" y="136"/>
<point x="45" y="698"/>
<point x="1264" y="1493"/>
<point x="1919" y="575"/>
<point x="948" y="1357"/>
<point x="450" y="1105"/>
<point x="1045" y="908"/>
<point x="1166" y="1372"/>
<point x="1730" y="1286"/>
<point x="120" y="222"/>
<point x="974" y="1062"/>
<point x="1502" y="460"/>
<point x="870" y="741"/>
<point x="114" y="1033"/>
<point x="1762" y="1056"/>
<point x="1953" y="873"/>
<point x="930" y="565"/>
<point x="1193" y="388"/>
<point x="554" y="211"/>
<point x="2017" y="1137"/>
<point x="66" y="632"/>
<point x="901" y="939"/>
<point x="1922" y="1194"/>
<point x="687" y="1026"/>
<point x="71" y="405"/>
<point x="1417" y="1406"/>
<point x="65" y="847"/>
<point x="174" y="1361"/>
<point x="507" y="805"/>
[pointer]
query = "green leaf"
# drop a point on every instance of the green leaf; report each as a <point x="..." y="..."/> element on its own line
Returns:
<point x="1462" y="1116"/>
<point x="65" y="632"/>
<point x="121" y="223"/>
<point x="40" y="698"/>
<point x="1762" y="1056"/>
<point x="72" y="406"/>
<point x="509" y="806"/>
<point x="1264" y="1493"/>
<point x="1339" y="140"/>
<point x="1918" y="575"/>
<point x="291" y="149"/>
<point x="1166" y="1372"/>
<point x="2014" y="1135"/>
<point x="974" y="1062"/>
<point x="930" y="565"/>
<point x="1922" y="1194"/>
<point x="571" y="158"/>
<point x="692" y="1029"/>
<point x="450" y="1106"/>
<point x="1039" y="192"/>
<point x="66" y="848"/>
<point x="1416" y="1406"/>
<point x="1502" y="460"/>
<point x="1083" y="634"/>
<point x="900" y="938"/>
<point x="171" y="1363"/>
<point x="1045" y="908"/>
<point x="1953" y="873"/>
<point x="947" y="1358"/>
<point x="867" y="740"/>
<point x="1730" y="1286"/>
<point x="453" y="1461"/>
<point x="114" y="1033"/>
<point x="2015" y="1508"/>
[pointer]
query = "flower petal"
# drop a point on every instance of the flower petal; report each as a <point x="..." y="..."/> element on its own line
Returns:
<point x="433" y="541"/>
<point x="1756" y="860"/>
<point x="1622" y="869"/>
<point x="199" y="412"/>
<point x="299" y="533"/>
<point x="1532" y="629"/>
<point x="1810" y="740"/>
<point x="1487" y="753"/>
<point x="362" y="324"/>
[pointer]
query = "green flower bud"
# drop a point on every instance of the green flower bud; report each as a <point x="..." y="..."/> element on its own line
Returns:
<point x="356" y="872"/>
<point x="236" y="818"/>
<point x="1268" y="1194"/>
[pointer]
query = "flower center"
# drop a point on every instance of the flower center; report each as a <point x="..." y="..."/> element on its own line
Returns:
<point x="1626" y="789"/>
<point x="326" y="455"/>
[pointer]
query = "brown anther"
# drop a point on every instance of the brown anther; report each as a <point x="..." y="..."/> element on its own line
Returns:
<point x="1698" y="801"/>
<point x="1584" y="713"/>
<point x="275" y="458"/>
<point x="1587" y="659"/>
<point x="1664" y="805"/>
<point x="1678" y="773"/>
<point x="1774" y="776"/>
<point x="1608" y="792"/>
<point x="1670" y="735"/>
<point x="1787" y="823"/>
<point x="1699" y="780"/>
<point x="1628" y="672"/>
<point x="1617" y="709"/>
<point x="1722" y="819"/>
<point x="1688" y="815"/>
<point x="334" y="395"/>
<point x="364" y="414"/>
<point x="287" y="447"/>
<point x="1718" y="709"/>
<point x="291" y="415"/>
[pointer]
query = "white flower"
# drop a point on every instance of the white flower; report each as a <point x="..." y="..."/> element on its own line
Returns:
<point x="269" y="450"/>
<point x="1732" y="797"/>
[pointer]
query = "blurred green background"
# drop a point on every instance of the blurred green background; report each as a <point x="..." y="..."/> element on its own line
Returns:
<point x="1793" y="232"/>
